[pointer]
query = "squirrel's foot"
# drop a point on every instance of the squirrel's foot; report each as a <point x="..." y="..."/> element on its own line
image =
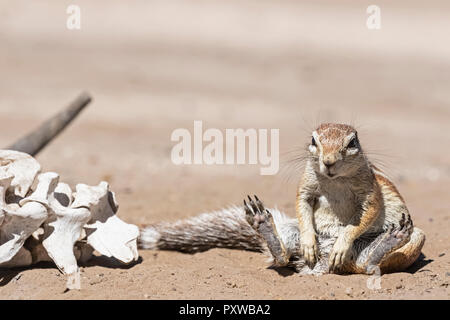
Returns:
<point x="262" y="221"/>
<point x="340" y="253"/>
<point x="386" y="243"/>
<point x="308" y="248"/>
<point x="254" y="212"/>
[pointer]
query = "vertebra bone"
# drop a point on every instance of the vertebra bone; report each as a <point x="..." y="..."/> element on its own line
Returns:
<point x="54" y="223"/>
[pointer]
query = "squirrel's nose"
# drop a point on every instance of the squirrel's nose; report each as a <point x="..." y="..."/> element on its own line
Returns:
<point x="329" y="162"/>
<point x="328" y="165"/>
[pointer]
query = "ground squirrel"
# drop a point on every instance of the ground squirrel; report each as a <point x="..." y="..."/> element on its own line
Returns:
<point x="350" y="217"/>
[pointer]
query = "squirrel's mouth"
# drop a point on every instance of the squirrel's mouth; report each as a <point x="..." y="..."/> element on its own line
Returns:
<point x="328" y="174"/>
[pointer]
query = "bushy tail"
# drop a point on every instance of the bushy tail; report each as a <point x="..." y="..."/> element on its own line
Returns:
<point x="227" y="228"/>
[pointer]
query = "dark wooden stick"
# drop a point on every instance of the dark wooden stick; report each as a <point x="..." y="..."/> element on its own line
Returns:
<point x="37" y="139"/>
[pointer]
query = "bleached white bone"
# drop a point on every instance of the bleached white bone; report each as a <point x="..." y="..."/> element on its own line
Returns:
<point x="61" y="232"/>
<point x="45" y="188"/>
<point x="106" y="233"/>
<point x="5" y="182"/>
<point x="17" y="226"/>
<point x="22" y="167"/>
<point x="82" y="251"/>
<point x="17" y="223"/>
<point x="74" y="281"/>
<point x="64" y="225"/>
<point x="60" y="225"/>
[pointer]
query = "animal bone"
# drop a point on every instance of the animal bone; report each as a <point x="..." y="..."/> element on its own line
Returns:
<point x="61" y="231"/>
<point x="18" y="222"/>
<point x="22" y="167"/>
<point x="103" y="230"/>
<point x="41" y="219"/>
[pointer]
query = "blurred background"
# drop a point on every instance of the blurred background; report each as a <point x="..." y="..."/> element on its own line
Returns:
<point x="154" y="66"/>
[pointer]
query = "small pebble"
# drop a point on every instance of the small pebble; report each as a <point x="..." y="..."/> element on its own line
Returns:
<point x="441" y="254"/>
<point x="348" y="291"/>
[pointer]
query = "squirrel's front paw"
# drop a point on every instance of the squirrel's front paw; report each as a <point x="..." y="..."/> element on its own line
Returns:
<point x="339" y="254"/>
<point x="308" y="248"/>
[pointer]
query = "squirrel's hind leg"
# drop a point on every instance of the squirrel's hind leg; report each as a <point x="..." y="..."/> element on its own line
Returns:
<point x="263" y="222"/>
<point x="282" y="237"/>
<point x="394" y="250"/>
<point x="403" y="257"/>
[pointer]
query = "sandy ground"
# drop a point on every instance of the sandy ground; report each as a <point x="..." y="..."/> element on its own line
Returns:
<point x="154" y="66"/>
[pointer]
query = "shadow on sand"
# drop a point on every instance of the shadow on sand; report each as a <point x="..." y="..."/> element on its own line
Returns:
<point x="7" y="275"/>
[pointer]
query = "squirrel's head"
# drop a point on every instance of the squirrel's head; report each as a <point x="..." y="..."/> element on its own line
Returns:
<point x="335" y="150"/>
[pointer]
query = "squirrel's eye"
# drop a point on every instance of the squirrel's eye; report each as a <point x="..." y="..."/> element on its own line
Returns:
<point x="353" y="143"/>
<point x="313" y="142"/>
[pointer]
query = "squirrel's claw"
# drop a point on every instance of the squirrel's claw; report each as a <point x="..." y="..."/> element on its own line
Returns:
<point x="255" y="212"/>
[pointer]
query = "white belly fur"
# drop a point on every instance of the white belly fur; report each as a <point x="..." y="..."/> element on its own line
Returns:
<point x="333" y="212"/>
